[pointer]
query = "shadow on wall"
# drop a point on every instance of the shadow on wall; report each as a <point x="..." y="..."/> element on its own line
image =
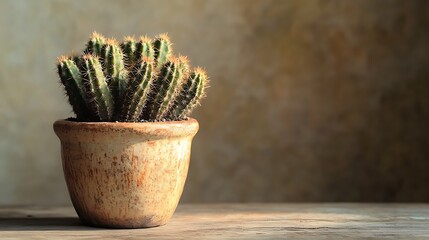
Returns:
<point x="309" y="100"/>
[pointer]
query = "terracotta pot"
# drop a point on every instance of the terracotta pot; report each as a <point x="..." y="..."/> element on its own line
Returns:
<point x="125" y="175"/>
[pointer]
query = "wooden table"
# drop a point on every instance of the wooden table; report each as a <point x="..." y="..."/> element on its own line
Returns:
<point x="234" y="221"/>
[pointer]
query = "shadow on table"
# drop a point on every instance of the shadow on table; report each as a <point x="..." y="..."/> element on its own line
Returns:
<point x="42" y="224"/>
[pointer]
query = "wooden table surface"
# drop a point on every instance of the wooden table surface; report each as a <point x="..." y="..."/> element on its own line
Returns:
<point x="234" y="221"/>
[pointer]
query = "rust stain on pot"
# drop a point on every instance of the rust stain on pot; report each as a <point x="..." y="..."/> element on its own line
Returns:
<point x="124" y="157"/>
<point x="141" y="179"/>
<point x="125" y="189"/>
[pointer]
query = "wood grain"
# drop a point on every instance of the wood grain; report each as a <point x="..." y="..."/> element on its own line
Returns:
<point x="234" y="221"/>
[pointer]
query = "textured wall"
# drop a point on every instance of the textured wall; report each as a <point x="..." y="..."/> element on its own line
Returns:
<point x="309" y="100"/>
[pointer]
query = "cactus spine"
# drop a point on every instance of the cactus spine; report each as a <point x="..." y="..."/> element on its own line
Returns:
<point x="98" y="93"/>
<point x="191" y="92"/>
<point x="132" y="81"/>
<point x="136" y="94"/>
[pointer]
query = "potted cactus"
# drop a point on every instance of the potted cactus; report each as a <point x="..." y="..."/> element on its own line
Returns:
<point x="126" y="153"/>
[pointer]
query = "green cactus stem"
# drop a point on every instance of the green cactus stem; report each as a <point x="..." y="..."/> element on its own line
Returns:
<point x="98" y="94"/>
<point x="144" y="49"/>
<point x="183" y="69"/>
<point x="115" y="72"/>
<point x="162" y="90"/>
<point x="129" y="50"/>
<point x="192" y="91"/>
<point x="72" y="81"/>
<point x="137" y="92"/>
<point x="95" y="44"/>
<point x="163" y="49"/>
<point x="183" y="65"/>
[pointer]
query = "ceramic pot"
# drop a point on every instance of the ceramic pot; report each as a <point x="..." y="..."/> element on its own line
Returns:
<point x="125" y="175"/>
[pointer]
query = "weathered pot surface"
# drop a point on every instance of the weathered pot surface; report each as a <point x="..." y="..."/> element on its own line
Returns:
<point x="125" y="175"/>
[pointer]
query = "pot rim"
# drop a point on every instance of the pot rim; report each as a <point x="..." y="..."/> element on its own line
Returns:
<point x="152" y="130"/>
<point x="125" y="123"/>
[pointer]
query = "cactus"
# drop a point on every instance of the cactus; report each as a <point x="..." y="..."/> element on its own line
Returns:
<point x="164" y="87"/>
<point x="144" y="49"/>
<point x="138" y="89"/>
<point x="100" y="100"/>
<point x="72" y="81"/>
<point x="114" y="70"/>
<point x="188" y="98"/>
<point x="162" y="49"/>
<point x="129" y="49"/>
<point x="95" y="44"/>
<point x="130" y="82"/>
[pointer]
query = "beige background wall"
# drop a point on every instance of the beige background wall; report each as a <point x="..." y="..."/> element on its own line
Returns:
<point x="309" y="100"/>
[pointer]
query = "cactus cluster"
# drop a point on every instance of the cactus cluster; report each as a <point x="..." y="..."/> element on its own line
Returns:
<point x="133" y="81"/>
